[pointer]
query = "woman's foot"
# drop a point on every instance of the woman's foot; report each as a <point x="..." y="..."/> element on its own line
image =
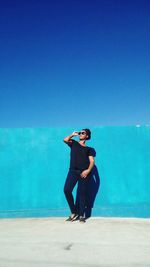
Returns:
<point x="76" y="217"/>
<point x="72" y="217"/>
<point x="82" y="219"/>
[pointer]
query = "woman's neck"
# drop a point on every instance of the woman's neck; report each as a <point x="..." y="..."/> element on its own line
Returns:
<point x="82" y="142"/>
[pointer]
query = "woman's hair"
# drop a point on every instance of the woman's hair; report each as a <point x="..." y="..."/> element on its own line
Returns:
<point x="88" y="132"/>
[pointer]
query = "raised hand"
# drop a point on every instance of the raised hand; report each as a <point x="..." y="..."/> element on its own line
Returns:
<point x="75" y="133"/>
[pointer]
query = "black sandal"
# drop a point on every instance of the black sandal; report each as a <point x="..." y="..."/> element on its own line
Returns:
<point x="72" y="218"/>
<point x="82" y="219"/>
<point x="75" y="218"/>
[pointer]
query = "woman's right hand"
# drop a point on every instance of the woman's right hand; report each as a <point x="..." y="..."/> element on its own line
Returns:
<point x="75" y="133"/>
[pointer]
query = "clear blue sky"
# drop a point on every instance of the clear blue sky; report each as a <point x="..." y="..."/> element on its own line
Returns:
<point x="74" y="62"/>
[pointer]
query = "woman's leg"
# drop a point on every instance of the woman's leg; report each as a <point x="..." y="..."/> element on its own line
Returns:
<point x="82" y="190"/>
<point x="70" y="183"/>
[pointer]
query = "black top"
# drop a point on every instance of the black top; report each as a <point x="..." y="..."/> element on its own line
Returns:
<point x="80" y="155"/>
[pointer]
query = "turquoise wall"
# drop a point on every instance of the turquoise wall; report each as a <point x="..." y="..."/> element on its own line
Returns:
<point x="34" y="163"/>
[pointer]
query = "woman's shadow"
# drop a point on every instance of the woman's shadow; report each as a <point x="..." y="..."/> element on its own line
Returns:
<point x="92" y="190"/>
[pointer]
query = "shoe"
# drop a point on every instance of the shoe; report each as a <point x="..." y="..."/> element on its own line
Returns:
<point x="69" y="219"/>
<point x="72" y="218"/>
<point x="82" y="219"/>
<point x="75" y="218"/>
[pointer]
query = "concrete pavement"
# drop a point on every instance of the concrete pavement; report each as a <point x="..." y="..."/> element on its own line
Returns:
<point x="53" y="242"/>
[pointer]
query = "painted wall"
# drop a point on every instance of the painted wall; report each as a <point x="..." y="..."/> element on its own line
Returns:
<point x="34" y="164"/>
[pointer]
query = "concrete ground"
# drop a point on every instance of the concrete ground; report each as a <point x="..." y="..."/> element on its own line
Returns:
<point x="52" y="242"/>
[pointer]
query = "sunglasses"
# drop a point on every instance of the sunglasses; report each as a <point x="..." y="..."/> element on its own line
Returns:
<point x="83" y="133"/>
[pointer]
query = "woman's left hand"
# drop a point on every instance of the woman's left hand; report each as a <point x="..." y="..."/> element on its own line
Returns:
<point x="85" y="173"/>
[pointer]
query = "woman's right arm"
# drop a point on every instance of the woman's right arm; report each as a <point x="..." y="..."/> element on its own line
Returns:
<point x="67" y="139"/>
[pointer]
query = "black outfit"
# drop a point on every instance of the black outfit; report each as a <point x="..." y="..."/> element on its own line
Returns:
<point x="79" y="161"/>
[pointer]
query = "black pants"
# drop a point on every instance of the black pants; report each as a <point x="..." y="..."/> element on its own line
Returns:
<point x="72" y="179"/>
